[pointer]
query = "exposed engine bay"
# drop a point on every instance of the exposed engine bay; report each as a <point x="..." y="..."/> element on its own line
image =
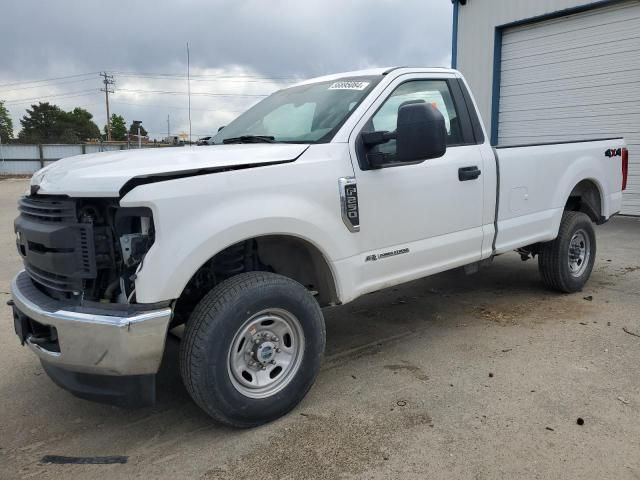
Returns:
<point x="83" y="249"/>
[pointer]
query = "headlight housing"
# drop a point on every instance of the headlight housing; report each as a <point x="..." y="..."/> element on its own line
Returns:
<point x="136" y="233"/>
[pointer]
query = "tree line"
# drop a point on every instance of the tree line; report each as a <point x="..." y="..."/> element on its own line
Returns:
<point x="48" y="123"/>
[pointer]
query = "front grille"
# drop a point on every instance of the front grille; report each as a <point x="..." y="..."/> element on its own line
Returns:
<point x="48" y="209"/>
<point x="57" y="250"/>
<point x="86" y="252"/>
<point x="59" y="283"/>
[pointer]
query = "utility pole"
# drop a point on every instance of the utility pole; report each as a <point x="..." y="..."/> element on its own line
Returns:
<point x="168" y="127"/>
<point x="136" y="124"/>
<point x="107" y="80"/>
<point x="1" y="152"/>
<point x="189" y="89"/>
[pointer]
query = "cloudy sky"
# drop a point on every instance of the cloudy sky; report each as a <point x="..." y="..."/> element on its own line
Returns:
<point x="241" y="50"/>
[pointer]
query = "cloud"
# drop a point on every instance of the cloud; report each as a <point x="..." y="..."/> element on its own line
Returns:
<point x="275" y="39"/>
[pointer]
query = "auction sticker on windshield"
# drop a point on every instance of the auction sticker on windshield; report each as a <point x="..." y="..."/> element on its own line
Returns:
<point x="349" y="86"/>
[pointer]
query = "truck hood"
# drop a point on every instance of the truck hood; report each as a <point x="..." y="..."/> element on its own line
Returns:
<point x="105" y="174"/>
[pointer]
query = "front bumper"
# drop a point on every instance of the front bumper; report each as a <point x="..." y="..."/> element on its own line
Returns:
<point x="130" y="391"/>
<point x="89" y="341"/>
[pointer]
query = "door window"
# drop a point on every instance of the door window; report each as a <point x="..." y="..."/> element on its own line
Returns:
<point x="434" y="92"/>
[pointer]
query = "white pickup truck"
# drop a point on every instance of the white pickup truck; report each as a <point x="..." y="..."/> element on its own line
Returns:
<point x="322" y="192"/>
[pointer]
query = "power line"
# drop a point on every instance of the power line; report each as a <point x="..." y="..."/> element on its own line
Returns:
<point x="158" y="76"/>
<point x="174" y="107"/>
<point x="208" y="78"/>
<point x="108" y="81"/>
<point x="59" y="95"/>
<point x="218" y="79"/>
<point x="83" y="105"/>
<point x="47" y="79"/>
<point x="86" y="104"/>
<point x="46" y="86"/>
<point x="205" y="94"/>
<point x="133" y="90"/>
<point x="178" y="75"/>
<point x="158" y="132"/>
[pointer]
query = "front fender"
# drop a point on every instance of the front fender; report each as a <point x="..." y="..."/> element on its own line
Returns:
<point x="171" y="263"/>
<point x="197" y="217"/>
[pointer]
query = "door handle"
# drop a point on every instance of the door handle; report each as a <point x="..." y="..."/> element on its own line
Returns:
<point x="468" y="173"/>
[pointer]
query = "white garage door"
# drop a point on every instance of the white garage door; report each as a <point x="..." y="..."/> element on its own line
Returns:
<point x="575" y="77"/>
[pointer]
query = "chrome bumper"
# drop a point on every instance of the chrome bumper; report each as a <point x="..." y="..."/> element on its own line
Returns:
<point x="98" y="342"/>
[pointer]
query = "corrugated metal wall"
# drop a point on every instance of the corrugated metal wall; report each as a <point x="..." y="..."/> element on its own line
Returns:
<point x="19" y="159"/>
<point x="574" y="75"/>
<point x="572" y="78"/>
<point x="477" y="21"/>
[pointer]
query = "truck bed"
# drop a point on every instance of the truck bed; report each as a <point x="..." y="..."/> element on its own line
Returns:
<point x="534" y="182"/>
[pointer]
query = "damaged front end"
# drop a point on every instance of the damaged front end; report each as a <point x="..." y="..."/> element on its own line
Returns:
<point x="74" y="304"/>
<point x="84" y="250"/>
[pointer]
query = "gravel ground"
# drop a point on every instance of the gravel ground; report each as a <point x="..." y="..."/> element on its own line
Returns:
<point x="479" y="377"/>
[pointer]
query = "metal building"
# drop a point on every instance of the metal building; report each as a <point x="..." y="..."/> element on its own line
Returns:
<point x="554" y="70"/>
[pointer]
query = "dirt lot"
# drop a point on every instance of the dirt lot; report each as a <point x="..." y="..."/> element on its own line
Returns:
<point x="479" y="377"/>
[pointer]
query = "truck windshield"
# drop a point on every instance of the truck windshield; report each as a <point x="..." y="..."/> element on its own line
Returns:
<point x="310" y="113"/>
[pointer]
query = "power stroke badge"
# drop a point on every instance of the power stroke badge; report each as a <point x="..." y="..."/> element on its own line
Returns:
<point x="381" y="256"/>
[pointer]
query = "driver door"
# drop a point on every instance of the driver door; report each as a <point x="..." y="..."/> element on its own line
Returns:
<point x="422" y="217"/>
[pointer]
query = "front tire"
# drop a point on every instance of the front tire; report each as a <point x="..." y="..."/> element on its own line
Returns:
<point x="252" y="348"/>
<point x="566" y="263"/>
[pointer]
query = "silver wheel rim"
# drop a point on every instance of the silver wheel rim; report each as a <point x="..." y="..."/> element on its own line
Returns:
<point x="266" y="352"/>
<point x="579" y="253"/>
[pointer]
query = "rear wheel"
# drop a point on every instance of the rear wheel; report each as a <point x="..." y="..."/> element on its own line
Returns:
<point x="566" y="262"/>
<point x="252" y="348"/>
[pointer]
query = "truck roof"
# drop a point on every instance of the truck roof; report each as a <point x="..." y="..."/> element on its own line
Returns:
<point x="376" y="71"/>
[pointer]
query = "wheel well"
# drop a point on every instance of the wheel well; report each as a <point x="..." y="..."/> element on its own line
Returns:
<point x="298" y="259"/>
<point x="585" y="197"/>
<point x="286" y="255"/>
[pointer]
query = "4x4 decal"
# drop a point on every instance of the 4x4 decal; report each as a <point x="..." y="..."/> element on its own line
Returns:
<point x="613" y="152"/>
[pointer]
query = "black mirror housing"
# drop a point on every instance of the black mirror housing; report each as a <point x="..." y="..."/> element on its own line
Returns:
<point x="421" y="133"/>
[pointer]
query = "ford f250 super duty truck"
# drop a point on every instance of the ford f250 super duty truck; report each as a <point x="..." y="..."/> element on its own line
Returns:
<point x="322" y="192"/>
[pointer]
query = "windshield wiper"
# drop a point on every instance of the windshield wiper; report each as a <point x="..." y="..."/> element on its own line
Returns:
<point x="250" y="139"/>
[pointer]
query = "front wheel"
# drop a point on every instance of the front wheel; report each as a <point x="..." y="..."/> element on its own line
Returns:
<point x="252" y="348"/>
<point x="566" y="262"/>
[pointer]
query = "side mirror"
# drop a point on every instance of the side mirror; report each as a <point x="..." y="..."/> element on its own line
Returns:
<point x="421" y="133"/>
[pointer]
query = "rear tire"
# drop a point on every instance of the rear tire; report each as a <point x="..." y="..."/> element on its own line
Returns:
<point x="565" y="263"/>
<point x="252" y="348"/>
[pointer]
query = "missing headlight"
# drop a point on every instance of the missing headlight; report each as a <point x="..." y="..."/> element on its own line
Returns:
<point x="134" y="227"/>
